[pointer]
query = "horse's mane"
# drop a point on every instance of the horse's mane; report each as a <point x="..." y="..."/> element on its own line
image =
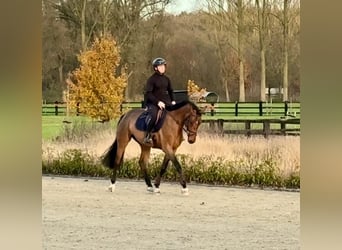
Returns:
<point x="182" y="104"/>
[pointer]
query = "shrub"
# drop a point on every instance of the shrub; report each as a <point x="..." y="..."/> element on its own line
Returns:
<point x="206" y="169"/>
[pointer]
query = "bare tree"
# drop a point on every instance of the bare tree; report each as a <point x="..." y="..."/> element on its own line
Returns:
<point x="200" y="46"/>
<point x="288" y="14"/>
<point x="127" y="17"/>
<point x="262" y="8"/>
<point x="229" y="16"/>
<point x="58" y="50"/>
<point x="222" y="54"/>
<point x="240" y="30"/>
<point x="77" y="13"/>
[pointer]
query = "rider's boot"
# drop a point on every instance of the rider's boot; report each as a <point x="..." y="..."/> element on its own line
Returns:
<point x="148" y="138"/>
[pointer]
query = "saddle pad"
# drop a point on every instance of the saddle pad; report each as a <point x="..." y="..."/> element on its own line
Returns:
<point x="141" y="123"/>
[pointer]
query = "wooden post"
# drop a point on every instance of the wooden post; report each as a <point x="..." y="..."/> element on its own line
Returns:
<point x="286" y="107"/>
<point x="56" y="108"/>
<point x="236" y="108"/>
<point x="283" y="127"/>
<point x="267" y="128"/>
<point x="260" y="108"/>
<point x="220" y="126"/>
<point x="212" y="109"/>
<point x="212" y="125"/>
<point x="248" y="128"/>
<point x="78" y="109"/>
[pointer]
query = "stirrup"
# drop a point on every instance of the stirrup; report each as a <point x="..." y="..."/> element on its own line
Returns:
<point x="148" y="139"/>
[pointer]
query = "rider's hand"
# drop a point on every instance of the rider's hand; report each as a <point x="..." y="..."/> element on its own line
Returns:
<point x="173" y="102"/>
<point x="161" y="105"/>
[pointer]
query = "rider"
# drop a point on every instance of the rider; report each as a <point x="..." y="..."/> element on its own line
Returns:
<point x="158" y="93"/>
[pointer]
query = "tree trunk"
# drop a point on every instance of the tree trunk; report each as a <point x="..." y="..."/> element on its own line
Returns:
<point x="262" y="32"/>
<point x="240" y="49"/>
<point x="83" y="26"/>
<point x="226" y="89"/>
<point x="285" y="44"/>
<point x="60" y="73"/>
<point x="241" y="82"/>
<point x="263" y="76"/>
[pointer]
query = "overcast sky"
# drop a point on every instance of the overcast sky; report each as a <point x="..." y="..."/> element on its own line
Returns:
<point x="177" y="6"/>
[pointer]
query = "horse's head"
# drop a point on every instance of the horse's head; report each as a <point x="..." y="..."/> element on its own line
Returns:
<point x="192" y="123"/>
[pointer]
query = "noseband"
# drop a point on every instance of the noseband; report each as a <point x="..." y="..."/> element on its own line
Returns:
<point x="186" y="125"/>
<point x="187" y="130"/>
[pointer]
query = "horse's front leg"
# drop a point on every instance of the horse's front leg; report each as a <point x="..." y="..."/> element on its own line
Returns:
<point x="178" y="167"/>
<point x="161" y="173"/>
<point x="143" y="162"/>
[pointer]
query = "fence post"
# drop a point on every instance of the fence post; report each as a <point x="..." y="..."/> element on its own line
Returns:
<point x="212" y="109"/>
<point x="266" y="128"/>
<point x="286" y="107"/>
<point x="236" y="108"/>
<point x="78" y="109"/>
<point x="56" y="108"/>
<point x="260" y="108"/>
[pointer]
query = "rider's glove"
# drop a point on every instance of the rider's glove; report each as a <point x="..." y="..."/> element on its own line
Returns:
<point x="161" y="105"/>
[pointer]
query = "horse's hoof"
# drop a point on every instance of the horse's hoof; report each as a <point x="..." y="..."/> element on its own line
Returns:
<point x="156" y="191"/>
<point x="111" y="188"/>
<point x="150" y="189"/>
<point x="185" y="191"/>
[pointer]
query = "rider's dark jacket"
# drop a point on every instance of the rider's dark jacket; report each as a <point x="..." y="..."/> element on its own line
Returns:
<point x="158" y="88"/>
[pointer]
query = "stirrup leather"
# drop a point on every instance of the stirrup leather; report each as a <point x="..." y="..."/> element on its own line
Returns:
<point x="148" y="138"/>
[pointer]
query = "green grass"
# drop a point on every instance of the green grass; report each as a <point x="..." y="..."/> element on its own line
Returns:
<point x="53" y="126"/>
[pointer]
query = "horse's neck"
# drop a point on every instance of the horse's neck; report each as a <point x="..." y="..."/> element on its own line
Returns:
<point x="180" y="114"/>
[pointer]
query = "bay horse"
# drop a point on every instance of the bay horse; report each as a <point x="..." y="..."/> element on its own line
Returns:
<point x="181" y="116"/>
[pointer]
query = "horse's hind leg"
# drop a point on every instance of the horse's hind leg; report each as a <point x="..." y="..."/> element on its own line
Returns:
<point x="180" y="172"/>
<point x="111" y="187"/>
<point x="143" y="162"/>
<point x="161" y="173"/>
<point x="120" y="150"/>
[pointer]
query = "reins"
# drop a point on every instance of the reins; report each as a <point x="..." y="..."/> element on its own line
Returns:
<point x="184" y="127"/>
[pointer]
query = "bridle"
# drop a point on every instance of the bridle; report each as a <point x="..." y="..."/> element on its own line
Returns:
<point x="186" y="128"/>
<point x="185" y="125"/>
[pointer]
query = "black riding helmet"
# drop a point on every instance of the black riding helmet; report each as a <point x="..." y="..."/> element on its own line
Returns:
<point x="158" y="61"/>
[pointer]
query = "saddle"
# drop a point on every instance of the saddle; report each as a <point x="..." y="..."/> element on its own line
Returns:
<point x="143" y="119"/>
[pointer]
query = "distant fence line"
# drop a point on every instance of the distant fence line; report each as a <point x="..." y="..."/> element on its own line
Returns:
<point x="219" y="109"/>
<point x="61" y="108"/>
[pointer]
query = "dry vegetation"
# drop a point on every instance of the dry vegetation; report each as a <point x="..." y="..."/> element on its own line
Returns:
<point x="283" y="151"/>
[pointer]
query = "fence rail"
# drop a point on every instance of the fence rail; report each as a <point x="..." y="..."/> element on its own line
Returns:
<point x="217" y="115"/>
<point x="215" y="111"/>
<point x="252" y="109"/>
<point x="217" y="126"/>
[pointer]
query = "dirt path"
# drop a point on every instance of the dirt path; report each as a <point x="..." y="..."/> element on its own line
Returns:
<point x="79" y="214"/>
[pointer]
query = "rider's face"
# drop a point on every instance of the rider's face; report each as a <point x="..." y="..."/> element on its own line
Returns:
<point x="161" y="68"/>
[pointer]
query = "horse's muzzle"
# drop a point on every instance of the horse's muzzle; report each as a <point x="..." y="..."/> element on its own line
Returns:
<point x="191" y="140"/>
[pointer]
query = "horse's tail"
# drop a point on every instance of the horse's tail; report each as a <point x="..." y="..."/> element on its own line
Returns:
<point x="108" y="159"/>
